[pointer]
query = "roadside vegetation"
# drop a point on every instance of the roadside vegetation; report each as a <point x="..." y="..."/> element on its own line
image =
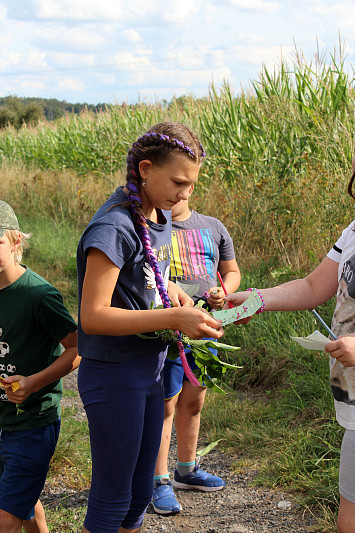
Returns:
<point x="279" y="160"/>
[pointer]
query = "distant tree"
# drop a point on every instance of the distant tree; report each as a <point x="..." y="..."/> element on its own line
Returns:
<point x="16" y="112"/>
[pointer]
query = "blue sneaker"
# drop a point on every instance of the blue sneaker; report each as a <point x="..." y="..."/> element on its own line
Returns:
<point x="198" y="479"/>
<point x="164" y="501"/>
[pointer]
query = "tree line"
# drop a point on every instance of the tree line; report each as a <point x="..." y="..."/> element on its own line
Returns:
<point x="17" y="111"/>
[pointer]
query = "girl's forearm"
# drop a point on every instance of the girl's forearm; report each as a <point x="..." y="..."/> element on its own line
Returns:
<point x="118" y="321"/>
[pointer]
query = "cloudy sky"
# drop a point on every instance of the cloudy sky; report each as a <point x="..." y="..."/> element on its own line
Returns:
<point x="141" y="50"/>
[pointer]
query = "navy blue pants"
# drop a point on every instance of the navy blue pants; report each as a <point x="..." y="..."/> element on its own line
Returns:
<point x="124" y="403"/>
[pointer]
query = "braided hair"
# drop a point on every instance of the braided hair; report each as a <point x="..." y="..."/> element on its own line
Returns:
<point x="157" y="145"/>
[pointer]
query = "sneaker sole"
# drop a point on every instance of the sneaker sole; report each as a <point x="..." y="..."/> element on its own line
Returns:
<point x="162" y="511"/>
<point x="185" y="486"/>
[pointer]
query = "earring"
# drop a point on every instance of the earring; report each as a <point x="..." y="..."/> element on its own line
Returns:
<point x="144" y="183"/>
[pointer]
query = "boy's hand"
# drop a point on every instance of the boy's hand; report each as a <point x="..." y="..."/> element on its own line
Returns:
<point x="343" y="350"/>
<point x="216" y="297"/>
<point x="23" y="392"/>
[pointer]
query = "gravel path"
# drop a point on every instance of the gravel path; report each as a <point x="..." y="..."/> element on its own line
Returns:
<point x="238" y="508"/>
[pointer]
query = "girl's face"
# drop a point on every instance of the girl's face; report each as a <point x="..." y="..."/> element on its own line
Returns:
<point x="167" y="184"/>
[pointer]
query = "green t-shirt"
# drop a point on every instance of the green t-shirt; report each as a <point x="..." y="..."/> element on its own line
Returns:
<point x="33" y="319"/>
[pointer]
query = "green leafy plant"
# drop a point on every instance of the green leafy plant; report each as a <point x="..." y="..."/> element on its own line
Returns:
<point x="211" y="368"/>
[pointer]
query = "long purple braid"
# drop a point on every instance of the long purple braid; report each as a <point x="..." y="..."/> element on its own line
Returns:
<point x="142" y="231"/>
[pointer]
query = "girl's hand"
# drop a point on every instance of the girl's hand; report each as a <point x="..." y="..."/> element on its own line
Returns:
<point x="343" y="350"/>
<point x="178" y="297"/>
<point x="23" y="392"/>
<point x="197" y="323"/>
<point x="216" y="297"/>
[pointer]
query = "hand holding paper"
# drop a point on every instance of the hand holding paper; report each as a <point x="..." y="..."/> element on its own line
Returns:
<point x="248" y="308"/>
<point x="315" y="341"/>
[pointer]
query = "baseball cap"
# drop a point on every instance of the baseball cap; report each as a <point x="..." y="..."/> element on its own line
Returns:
<point x="8" y="219"/>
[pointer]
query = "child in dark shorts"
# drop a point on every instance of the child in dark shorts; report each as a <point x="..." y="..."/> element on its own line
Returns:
<point x="33" y="324"/>
<point x="201" y="246"/>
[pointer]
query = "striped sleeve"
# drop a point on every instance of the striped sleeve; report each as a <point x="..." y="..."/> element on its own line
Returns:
<point x="337" y="250"/>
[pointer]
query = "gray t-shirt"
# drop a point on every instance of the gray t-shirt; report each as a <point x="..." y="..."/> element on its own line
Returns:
<point x="198" y="245"/>
<point x="112" y="231"/>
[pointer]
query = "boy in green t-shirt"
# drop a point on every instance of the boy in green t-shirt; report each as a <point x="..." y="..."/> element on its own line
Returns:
<point x="33" y="324"/>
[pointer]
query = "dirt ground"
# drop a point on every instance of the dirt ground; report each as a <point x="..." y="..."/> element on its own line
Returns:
<point x="238" y="508"/>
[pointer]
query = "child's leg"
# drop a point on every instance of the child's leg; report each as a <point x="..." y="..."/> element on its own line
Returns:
<point x="346" y="516"/>
<point x="38" y="524"/>
<point x="161" y="467"/>
<point x="187" y="420"/>
<point x="9" y="523"/>
<point x="25" y="457"/>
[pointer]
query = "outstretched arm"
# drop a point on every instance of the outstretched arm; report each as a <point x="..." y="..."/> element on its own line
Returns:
<point x="305" y="293"/>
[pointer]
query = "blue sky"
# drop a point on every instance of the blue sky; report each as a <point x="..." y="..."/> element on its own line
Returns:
<point x="133" y="50"/>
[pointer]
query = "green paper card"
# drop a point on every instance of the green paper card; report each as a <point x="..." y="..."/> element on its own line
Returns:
<point x="248" y="308"/>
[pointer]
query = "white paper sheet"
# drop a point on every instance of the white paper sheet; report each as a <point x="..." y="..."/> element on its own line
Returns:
<point x="314" y="341"/>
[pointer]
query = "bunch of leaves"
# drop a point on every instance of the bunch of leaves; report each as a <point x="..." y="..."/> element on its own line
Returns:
<point x="210" y="368"/>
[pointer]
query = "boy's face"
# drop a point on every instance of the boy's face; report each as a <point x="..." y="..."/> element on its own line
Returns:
<point x="7" y="256"/>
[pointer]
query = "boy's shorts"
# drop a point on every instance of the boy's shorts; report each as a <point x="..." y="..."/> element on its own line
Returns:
<point x="347" y="466"/>
<point x="174" y="375"/>
<point x="24" y="464"/>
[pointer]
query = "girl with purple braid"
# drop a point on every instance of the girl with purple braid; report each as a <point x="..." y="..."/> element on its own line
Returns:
<point x="123" y="268"/>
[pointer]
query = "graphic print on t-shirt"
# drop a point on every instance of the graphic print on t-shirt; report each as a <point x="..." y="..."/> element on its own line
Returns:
<point x="342" y="378"/>
<point x="162" y="254"/>
<point x="6" y="368"/>
<point x="193" y="254"/>
<point x="151" y="283"/>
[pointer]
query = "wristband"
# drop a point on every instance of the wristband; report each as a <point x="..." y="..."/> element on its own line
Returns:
<point x="262" y="308"/>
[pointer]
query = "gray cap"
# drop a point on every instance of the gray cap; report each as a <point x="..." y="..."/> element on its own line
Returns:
<point x="8" y="219"/>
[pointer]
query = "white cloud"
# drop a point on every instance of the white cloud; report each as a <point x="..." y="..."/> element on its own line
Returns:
<point x="71" y="84"/>
<point x="32" y="86"/>
<point x="3" y="12"/>
<point x="132" y="61"/>
<point x="35" y="58"/>
<point x="67" y="60"/>
<point x="89" y="10"/>
<point x="177" y="11"/>
<point x="132" y="36"/>
<point x="9" y="59"/>
<point x="106" y="79"/>
<point x="256" y="5"/>
<point x="73" y="39"/>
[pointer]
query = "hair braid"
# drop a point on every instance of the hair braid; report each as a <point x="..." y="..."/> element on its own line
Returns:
<point x="142" y="231"/>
